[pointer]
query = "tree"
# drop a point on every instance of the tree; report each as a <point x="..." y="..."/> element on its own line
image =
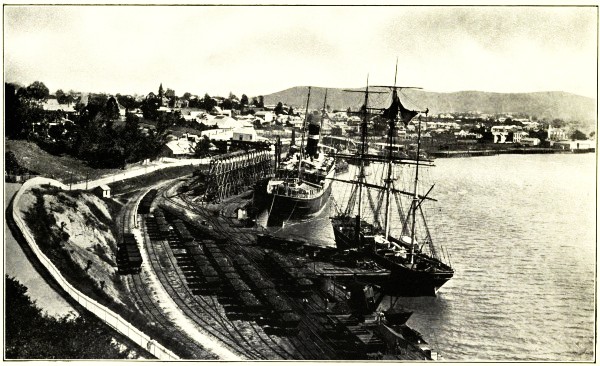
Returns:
<point x="592" y="134"/>
<point x="13" y="122"/>
<point x="111" y="111"/>
<point x="170" y="93"/>
<point x="208" y="102"/>
<point x="61" y="97"/>
<point x="261" y="101"/>
<point x="187" y="95"/>
<point x="578" y="135"/>
<point x="558" y="123"/>
<point x="38" y="91"/>
<point x="160" y="91"/>
<point x="279" y="108"/>
<point x="202" y="148"/>
<point x="254" y="102"/>
<point x="56" y="131"/>
<point x="149" y="106"/>
<point x="195" y="103"/>
<point x="127" y="101"/>
<point x="244" y="100"/>
<point x="227" y="104"/>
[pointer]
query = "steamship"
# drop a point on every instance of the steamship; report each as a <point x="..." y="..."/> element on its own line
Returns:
<point x="301" y="186"/>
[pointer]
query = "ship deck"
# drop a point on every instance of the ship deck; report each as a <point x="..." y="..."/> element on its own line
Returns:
<point x="328" y="269"/>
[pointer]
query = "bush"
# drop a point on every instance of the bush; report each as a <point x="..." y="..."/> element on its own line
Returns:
<point x="84" y="337"/>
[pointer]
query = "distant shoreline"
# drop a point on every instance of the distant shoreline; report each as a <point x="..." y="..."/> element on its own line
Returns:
<point x="514" y="150"/>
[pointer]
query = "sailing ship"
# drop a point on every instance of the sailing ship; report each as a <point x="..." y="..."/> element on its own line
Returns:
<point x="302" y="183"/>
<point x="416" y="265"/>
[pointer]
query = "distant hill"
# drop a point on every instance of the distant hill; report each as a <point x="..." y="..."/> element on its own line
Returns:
<point x="550" y="105"/>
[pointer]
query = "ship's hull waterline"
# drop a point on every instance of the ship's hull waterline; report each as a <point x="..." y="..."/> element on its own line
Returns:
<point x="284" y="208"/>
<point x="405" y="279"/>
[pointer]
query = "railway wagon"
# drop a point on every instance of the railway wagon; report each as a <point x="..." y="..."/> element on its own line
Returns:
<point x="211" y="280"/>
<point x="129" y="258"/>
<point x="243" y="304"/>
<point x="250" y="305"/>
<point x="163" y="227"/>
<point x="146" y="202"/>
<point x="290" y="271"/>
<point x="282" y="319"/>
<point x="255" y="279"/>
<point x="183" y="233"/>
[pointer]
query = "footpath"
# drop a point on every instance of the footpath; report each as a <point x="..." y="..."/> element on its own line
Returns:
<point x="136" y="172"/>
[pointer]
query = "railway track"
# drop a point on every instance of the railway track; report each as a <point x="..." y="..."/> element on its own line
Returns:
<point x="144" y="299"/>
<point x="247" y="338"/>
<point x="309" y="344"/>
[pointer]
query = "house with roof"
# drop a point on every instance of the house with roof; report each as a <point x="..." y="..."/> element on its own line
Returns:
<point x="225" y="122"/>
<point x="102" y="191"/>
<point x="179" y="148"/>
<point x="265" y="115"/>
<point x="245" y="134"/>
<point x="52" y="104"/>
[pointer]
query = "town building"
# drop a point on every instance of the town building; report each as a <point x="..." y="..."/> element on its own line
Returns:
<point x="574" y="145"/>
<point x="556" y="134"/>
<point x="179" y="148"/>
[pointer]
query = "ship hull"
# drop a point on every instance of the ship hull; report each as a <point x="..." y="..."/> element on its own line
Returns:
<point x="284" y="208"/>
<point x="404" y="280"/>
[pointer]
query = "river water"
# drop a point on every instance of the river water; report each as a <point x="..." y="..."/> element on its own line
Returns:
<point x="17" y="265"/>
<point x="520" y="230"/>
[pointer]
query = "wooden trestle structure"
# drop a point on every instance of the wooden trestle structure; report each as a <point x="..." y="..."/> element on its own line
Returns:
<point x="236" y="172"/>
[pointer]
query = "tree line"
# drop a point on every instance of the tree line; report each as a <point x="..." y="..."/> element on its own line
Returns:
<point x="93" y="134"/>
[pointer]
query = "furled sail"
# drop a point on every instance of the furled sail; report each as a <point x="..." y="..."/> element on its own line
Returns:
<point x="392" y="112"/>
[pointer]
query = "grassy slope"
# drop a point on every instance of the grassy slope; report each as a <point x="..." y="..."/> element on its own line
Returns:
<point x="66" y="168"/>
<point x="30" y="156"/>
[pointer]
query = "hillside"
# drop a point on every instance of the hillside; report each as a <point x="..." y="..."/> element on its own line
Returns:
<point x="74" y="229"/>
<point x="64" y="168"/>
<point x="548" y="105"/>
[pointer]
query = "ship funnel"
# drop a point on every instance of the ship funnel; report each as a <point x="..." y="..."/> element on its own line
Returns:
<point x="314" y="130"/>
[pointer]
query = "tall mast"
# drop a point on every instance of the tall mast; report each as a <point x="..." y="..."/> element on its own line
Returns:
<point x="302" y="141"/>
<point x="415" y="201"/>
<point x="388" y="181"/>
<point x="324" y="112"/>
<point x="361" y="174"/>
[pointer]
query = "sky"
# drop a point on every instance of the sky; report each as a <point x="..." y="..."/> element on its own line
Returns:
<point x="258" y="50"/>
